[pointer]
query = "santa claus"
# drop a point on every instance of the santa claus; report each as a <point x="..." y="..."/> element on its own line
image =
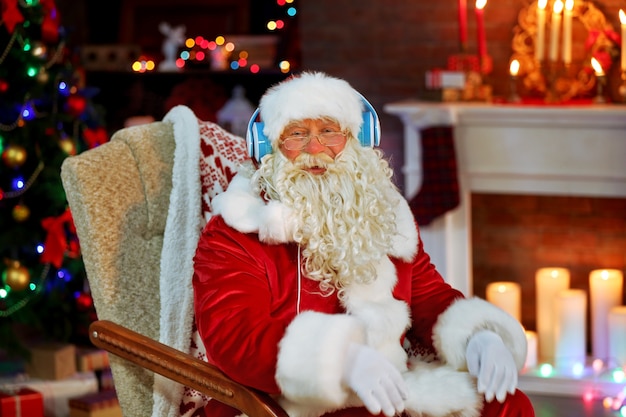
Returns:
<point x="311" y="282"/>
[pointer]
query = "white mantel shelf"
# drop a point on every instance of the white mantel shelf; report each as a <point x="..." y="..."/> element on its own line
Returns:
<point x="577" y="150"/>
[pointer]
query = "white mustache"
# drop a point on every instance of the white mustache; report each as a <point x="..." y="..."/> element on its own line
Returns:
<point x="306" y="160"/>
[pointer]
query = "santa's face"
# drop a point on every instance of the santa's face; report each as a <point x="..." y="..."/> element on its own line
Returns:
<point x="343" y="217"/>
<point x="322" y="138"/>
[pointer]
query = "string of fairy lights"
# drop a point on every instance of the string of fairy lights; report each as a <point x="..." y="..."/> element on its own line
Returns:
<point x="228" y="52"/>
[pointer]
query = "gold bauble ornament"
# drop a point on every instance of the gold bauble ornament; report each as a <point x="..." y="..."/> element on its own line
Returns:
<point x="67" y="145"/>
<point x="14" y="156"/>
<point x="43" y="76"/>
<point x="20" y="213"/>
<point x="16" y="276"/>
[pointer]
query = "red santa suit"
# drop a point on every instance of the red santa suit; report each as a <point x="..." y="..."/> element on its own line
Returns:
<point x="267" y="326"/>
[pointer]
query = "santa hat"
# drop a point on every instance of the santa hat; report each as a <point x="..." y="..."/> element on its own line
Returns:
<point x="310" y="95"/>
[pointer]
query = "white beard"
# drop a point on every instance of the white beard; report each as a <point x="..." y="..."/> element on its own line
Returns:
<point x="345" y="221"/>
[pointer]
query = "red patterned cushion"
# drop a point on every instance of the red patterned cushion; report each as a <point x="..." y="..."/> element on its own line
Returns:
<point x="221" y="153"/>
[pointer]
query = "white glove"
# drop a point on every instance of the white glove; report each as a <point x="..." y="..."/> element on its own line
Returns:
<point x="375" y="380"/>
<point x="492" y="363"/>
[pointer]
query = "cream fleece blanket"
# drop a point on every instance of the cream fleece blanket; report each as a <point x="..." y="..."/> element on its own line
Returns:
<point x="182" y="231"/>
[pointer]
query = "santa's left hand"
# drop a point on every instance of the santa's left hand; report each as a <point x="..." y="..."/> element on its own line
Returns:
<point x="492" y="363"/>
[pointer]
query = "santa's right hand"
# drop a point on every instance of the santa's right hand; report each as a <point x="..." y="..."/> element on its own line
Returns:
<point x="375" y="380"/>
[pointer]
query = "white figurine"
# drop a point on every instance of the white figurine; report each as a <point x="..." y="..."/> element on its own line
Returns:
<point x="174" y="39"/>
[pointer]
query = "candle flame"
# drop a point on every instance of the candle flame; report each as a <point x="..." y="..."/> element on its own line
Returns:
<point x="542" y="4"/>
<point x="569" y="4"/>
<point x="558" y="7"/>
<point x="480" y="4"/>
<point x="622" y="17"/>
<point x="554" y="273"/>
<point x="514" y="68"/>
<point x="599" y="71"/>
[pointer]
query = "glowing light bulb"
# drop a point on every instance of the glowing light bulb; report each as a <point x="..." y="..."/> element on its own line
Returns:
<point x="618" y="375"/>
<point x="3" y="293"/>
<point x="588" y="396"/>
<point x="578" y="369"/>
<point x="545" y="370"/>
<point x="597" y="365"/>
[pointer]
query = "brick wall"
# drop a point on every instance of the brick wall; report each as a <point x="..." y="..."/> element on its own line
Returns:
<point x="384" y="47"/>
<point x="514" y="235"/>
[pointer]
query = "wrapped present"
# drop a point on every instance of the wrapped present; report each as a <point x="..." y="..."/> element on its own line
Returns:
<point x="91" y="359"/>
<point x="100" y="404"/>
<point x="105" y="379"/>
<point x="52" y="361"/>
<point x="22" y="402"/>
<point x="56" y="393"/>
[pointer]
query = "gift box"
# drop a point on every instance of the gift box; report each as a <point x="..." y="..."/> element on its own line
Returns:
<point x="100" y="404"/>
<point x="23" y="402"/>
<point x="52" y="361"/>
<point x="56" y="393"/>
<point x="90" y="359"/>
<point x="105" y="379"/>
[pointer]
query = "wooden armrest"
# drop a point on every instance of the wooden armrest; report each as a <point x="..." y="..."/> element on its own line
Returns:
<point x="183" y="368"/>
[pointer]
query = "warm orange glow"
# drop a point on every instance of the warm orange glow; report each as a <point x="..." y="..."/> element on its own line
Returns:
<point x="514" y="68"/>
<point x="542" y="4"/>
<point x="622" y="17"/>
<point x="569" y="4"/>
<point x="480" y="4"/>
<point x="558" y="7"/>
<point x="597" y="67"/>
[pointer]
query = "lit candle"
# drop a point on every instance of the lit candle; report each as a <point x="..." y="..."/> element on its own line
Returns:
<point x="597" y="68"/>
<point x="480" y="27"/>
<point x="514" y="68"/>
<point x="463" y="24"/>
<point x="606" y="292"/>
<point x="507" y="296"/>
<point x="617" y="335"/>
<point x="622" y="19"/>
<point x="549" y="282"/>
<point x="567" y="31"/>
<point x="541" y="30"/>
<point x="553" y="53"/>
<point x="570" y="330"/>
<point x="531" y="351"/>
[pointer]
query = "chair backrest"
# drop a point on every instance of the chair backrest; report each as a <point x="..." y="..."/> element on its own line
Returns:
<point x="119" y="195"/>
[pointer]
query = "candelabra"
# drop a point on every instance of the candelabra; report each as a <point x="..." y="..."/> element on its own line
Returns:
<point x="600" y="83"/>
<point x="622" y="87"/>
<point x="513" y="95"/>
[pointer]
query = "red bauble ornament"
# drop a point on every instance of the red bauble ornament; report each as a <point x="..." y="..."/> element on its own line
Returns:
<point x="75" y="105"/>
<point x="4" y="85"/>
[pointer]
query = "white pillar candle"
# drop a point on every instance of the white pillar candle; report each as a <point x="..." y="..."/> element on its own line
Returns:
<point x="531" y="351"/>
<point x="570" y="329"/>
<point x="507" y="296"/>
<point x="617" y="335"/>
<point x="541" y="30"/>
<point x="555" y="29"/>
<point x="605" y="287"/>
<point x="549" y="283"/>
<point x="567" y="31"/>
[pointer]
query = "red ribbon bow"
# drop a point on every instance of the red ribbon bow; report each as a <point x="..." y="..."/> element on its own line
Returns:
<point x="56" y="240"/>
<point x="11" y="14"/>
<point x="95" y="137"/>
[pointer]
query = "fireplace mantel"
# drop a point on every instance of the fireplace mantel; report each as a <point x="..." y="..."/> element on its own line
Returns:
<point x="577" y="150"/>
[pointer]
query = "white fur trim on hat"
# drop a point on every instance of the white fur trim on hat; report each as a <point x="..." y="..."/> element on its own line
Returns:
<point x="310" y="95"/>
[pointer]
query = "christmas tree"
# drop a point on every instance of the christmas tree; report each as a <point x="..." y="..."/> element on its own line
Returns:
<point x="46" y="115"/>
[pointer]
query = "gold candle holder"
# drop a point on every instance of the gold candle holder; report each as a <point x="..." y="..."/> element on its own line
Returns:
<point x="622" y="87"/>
<point x="600" y="84"/>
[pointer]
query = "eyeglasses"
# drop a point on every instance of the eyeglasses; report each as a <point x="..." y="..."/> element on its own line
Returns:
<point x="299" y="142"/>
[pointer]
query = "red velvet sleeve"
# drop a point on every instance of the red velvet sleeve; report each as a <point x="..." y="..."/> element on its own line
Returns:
<point x="235" y="307"/>
<point x="429" y="295"/>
